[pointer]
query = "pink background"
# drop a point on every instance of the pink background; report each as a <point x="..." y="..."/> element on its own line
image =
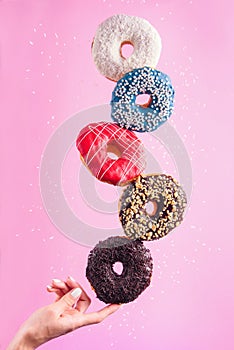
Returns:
<point x="46" y="75"/>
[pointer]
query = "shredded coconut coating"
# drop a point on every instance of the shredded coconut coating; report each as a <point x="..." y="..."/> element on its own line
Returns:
<point x="120" y="29"/>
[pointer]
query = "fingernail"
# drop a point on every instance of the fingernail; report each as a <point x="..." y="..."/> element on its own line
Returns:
<point x="49" y="287"/>
<point x="76" y="293"/>
<point x="56" y="280"/>
<point x="71" y="278"/>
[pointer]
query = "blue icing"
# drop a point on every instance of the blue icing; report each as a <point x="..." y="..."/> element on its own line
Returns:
<point x="146" y="80"/>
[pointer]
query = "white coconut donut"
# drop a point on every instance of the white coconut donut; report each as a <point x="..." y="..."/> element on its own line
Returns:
<point x="118" y="30"/>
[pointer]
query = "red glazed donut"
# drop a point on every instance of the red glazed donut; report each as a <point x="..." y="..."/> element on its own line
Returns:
<point x="96" y="141"/>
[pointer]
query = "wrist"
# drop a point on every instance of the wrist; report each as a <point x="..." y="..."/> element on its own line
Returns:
<point x="22" y="341"/>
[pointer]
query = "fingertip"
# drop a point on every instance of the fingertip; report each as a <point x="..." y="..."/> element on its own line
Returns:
<point x="119" y="305"/>
<point x="115" y="307"/>
<point x="71" y="279"/>
<point x="76" y="293"/>
<point x="56" y="280"/>
<point x="71" y="282"/>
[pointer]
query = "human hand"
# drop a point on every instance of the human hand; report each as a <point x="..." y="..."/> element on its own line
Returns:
<point x="66" y="314"/>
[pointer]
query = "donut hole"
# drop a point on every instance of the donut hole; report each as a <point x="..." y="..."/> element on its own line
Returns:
<point x="151" y="208"/>
<point x="143" y="100"/>
<point x="118" y="267"/>
<point x="113" y="151"/>
<point x="126" y="49"/>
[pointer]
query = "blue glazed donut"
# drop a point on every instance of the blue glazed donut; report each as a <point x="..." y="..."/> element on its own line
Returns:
<point x="146" y="80"/>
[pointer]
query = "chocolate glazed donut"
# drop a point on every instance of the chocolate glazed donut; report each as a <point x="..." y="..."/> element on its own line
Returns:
<point x="110" y="286"/>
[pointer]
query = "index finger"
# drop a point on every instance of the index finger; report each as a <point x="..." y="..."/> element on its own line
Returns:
<point x="99" y="316"/>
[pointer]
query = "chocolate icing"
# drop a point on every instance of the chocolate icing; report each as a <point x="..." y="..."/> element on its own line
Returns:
<point x="111" y="287"/>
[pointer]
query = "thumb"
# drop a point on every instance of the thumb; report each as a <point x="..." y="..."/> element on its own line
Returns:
<point x="69" y="299"/>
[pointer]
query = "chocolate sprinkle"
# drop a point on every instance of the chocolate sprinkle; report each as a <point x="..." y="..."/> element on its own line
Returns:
<point x="160" y="189"/>
<point x="111" y="287"/>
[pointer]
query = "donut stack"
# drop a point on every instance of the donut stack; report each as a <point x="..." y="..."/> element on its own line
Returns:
<point x="151" y="205"/>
